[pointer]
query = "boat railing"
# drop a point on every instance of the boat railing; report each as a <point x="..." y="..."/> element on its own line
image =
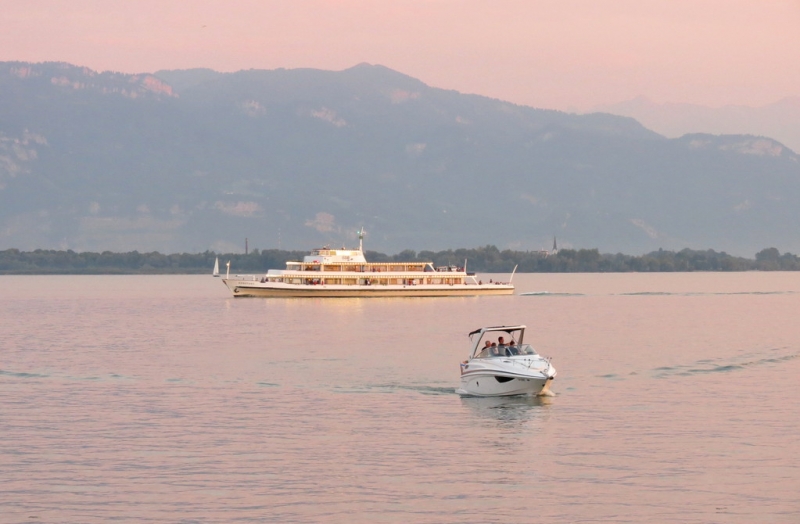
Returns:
<point x="449" y="269"/>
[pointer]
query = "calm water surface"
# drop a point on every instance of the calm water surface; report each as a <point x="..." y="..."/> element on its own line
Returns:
<point x="162" y="399"/>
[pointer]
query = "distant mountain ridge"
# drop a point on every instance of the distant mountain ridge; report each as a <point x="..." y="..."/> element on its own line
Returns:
<point x="82" y="78"/>
<point x="291" y="159"/>
<point x="779" y="120"/>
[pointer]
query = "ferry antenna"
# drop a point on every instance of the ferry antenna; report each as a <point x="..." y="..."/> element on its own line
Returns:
<point x="361" y="239"/>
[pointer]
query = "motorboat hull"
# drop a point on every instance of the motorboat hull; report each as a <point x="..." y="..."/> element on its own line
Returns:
<point x="502" y="385"/>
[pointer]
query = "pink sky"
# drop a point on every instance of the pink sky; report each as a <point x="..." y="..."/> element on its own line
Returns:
<point x="560" y="54"/>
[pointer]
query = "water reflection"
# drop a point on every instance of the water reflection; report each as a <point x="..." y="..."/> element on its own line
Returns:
<point x="517" y="409"/>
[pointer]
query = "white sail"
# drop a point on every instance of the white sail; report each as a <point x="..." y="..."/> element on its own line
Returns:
<point x="216" y="268"/>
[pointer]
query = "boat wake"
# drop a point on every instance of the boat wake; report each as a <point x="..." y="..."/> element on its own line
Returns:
<point x="706" y="366"/>
<point x="430" y="390"/>
<point x="548" y="294"/>
<point x="701" y="294"/>
<point x="21" y="374"/>
<point x="659" y="293"/>
<point x="62" y="376"/>
<point x="393" y="388"/>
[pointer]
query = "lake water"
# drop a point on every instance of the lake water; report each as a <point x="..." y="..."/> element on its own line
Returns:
<point x="163" y="399"/>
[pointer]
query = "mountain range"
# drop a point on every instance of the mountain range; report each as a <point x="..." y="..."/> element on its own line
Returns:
<point x="195" y="160"/>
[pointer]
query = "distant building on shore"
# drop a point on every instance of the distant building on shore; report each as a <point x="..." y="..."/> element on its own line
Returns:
<point x="545" y="253"/>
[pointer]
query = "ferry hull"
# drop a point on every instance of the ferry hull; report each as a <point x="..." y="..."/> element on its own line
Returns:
<point x="245" y="288"/>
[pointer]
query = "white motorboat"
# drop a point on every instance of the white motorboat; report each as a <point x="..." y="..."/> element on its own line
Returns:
<point x="500" y="364"/>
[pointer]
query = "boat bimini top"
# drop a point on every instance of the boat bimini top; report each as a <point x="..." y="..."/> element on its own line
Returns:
<point x="515" y="333"/>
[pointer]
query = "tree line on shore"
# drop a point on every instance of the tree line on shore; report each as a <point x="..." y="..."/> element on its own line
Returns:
<point x="487" y="259"/>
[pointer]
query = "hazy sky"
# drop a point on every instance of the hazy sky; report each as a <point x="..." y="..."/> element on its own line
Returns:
<point x="561" y="54"/>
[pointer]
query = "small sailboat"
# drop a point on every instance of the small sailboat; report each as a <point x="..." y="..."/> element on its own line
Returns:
<point x="216" y="268"/>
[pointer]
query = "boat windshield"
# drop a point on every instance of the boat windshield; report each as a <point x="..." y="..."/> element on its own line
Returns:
<point x="506" y="351"/>
<point x="526" y="349"/>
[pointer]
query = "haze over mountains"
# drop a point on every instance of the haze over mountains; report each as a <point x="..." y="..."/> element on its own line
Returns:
<point x="194" y="160"/>
<point x="779" y="120"/>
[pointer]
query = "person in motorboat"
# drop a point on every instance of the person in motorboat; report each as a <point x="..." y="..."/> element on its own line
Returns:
<point x="512" y="348"/>
<point x="486" y="351"/>
<point x="498" y="350"/>
<point x="502" y="348"/>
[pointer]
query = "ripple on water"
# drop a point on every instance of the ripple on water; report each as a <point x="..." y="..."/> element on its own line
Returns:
<point x="723" y="365"/>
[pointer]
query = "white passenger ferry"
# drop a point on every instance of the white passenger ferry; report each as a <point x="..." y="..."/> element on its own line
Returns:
<point x="346" y="273"/>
